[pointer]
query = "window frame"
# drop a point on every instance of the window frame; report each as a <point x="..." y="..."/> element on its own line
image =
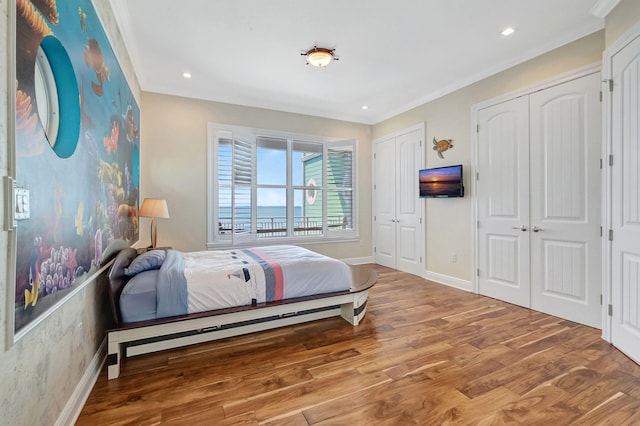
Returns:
<point x="218" y="131"/>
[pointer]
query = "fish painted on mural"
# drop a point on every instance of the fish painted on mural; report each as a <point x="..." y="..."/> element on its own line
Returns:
<point x="93" y="58"/>
<point x="79" y="217"/>
<point x="132" y="130"/>
<point x="38" y="254"/>
<point x="83" y="20"/>
<point x="111" y="141"/>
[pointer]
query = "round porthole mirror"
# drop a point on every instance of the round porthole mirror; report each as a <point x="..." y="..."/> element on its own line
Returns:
<point x="46" y="97"/>
<point x="57" y="97"/>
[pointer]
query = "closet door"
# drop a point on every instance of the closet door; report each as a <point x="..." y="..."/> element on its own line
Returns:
<point x="398" y="225"/>
<point x="384" y="216"/>
<point x="409" y="229"/>
<point x="503" y="201"/>
<point x="566" y="201"/>
<point x="625" y="200"/>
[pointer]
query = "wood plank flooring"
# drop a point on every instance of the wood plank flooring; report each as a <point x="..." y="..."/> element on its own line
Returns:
<point x="425" y="354"/>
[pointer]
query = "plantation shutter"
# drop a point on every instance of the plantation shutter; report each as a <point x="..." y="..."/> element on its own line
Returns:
<point x="305" y="188"/>
<point x="340" y="171"/>
<point x="243" y="176"/>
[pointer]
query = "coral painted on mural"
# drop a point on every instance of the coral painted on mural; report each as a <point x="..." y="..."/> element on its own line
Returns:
<point x="82" y="206"/>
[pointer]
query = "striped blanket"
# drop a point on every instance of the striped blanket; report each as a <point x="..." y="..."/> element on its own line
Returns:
<point x="226" y="278"/>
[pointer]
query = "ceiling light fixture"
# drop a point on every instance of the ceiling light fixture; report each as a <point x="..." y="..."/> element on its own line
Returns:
<point x="319" y="56"/>
<point x="508" y="31"/>
<point x="186" y="74"/>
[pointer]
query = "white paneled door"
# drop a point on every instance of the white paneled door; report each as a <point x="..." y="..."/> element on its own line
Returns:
<point x="565" y="180"/>
<point x="384" y="216"/>
<point x="539" y="201"/>
<point x="398" y="227"/>
<point x="625" y="200"/>
<point x="503" y="201"/>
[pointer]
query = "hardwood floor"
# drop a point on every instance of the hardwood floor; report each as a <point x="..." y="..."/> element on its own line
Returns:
<point x="425" y="354"/>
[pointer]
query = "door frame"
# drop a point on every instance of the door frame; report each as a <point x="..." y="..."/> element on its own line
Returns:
<point x="544" y="84"/>
<point x="421" y="128"/>
<point x="607" y="150"/>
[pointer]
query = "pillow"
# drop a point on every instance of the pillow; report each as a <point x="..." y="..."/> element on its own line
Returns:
<point x="147" y="261"/>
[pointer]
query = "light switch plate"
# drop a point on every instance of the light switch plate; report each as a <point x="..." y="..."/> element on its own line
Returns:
<point x="22" y="210"/>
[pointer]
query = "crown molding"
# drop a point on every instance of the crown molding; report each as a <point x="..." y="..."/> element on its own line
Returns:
<point x="603" y="7"/>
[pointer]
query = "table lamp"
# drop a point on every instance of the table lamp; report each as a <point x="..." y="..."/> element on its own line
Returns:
<point x="154" y="208"/>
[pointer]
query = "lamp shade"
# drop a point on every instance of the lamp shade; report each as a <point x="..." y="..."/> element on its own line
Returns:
<point x="154" y="207"/>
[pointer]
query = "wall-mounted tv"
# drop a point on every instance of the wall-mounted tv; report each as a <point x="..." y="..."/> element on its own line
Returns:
<point x="441" y="182"/>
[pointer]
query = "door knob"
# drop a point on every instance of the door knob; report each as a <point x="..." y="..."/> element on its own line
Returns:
<point x="536" y="229"/>
<point x="523" y="228"/>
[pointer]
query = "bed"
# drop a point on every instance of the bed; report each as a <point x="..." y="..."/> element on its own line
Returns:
<point x="164" y="299"/>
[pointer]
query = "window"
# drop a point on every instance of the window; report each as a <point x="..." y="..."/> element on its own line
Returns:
<point x="270" y="187"/>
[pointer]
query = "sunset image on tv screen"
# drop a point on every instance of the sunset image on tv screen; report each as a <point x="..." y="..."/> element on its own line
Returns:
<point x="441" y="182"/>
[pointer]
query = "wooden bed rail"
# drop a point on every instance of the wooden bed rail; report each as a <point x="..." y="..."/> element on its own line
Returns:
<point x="168" y="333"/>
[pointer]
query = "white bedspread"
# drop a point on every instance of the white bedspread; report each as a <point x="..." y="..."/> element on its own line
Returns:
<point x="226" y="278"/>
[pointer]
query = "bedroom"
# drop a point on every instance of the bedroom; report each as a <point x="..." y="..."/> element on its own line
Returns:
<point x="74" y="323"/>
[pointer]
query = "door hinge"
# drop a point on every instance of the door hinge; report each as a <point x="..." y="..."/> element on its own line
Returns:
<point x="610" y="234"/>
<point x="610" y="310"/>
<point x="374" y="155"/>
<point x="376" y="218"/>
<point x="374" y="187"/>
<point x="611" y="160"/>
<point x="420" y="221"/>
<point x="477" y="175"/>
<point x="478" y="272"/>
<point x="610" y="81"/>
<point x="601" y="299"/>
<point x="478" y="224"/>
<point x="600" y="231"/>
<point x="375" y="249"/>
<point x="601" y="96"/>
<point x="477" y="128"/>
<point x="601" y="164"/>
<point x="420" y="259"/>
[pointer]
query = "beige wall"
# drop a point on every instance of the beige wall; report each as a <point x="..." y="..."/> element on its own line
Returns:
<point x="41" y="371"/>
<point x="174" y="164"/>
<point x="448" y="221"/>
<point x="624" y="16"/>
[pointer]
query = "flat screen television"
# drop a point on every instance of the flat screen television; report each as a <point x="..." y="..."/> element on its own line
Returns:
<point x="441" y="182"/>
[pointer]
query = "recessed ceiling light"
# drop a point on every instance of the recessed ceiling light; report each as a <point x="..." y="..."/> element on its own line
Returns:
<point x="508" y="31"/>
<point x="186" y="74"/>
<point x="365" y="107"/>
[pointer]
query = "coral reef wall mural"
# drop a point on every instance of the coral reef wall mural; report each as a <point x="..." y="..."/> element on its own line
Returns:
<point x="83" y="203"/>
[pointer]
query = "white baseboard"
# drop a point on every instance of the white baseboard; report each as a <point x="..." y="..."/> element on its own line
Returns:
<point x="74" y="406"/>
<point x="449" y="281"/>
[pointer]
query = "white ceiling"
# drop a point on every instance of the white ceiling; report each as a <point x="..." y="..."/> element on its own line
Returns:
<point x="393" y="54"/>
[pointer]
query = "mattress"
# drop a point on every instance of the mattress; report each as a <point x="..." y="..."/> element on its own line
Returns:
<point x="207" y="280"/>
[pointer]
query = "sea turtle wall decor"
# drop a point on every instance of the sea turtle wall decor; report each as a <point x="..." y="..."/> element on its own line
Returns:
<point x="441" y="146"/>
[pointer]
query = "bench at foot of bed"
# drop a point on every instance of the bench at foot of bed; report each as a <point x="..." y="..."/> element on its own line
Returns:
<point x="168" y="333"/>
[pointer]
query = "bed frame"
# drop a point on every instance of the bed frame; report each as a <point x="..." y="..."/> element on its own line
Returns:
<point x="130" y="339"/>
